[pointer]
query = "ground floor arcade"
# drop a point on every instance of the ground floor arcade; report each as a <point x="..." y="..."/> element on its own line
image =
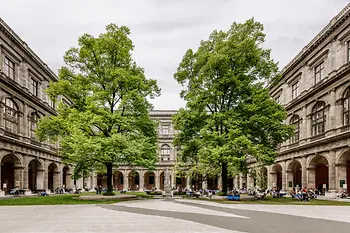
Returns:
<point x="32" y="173"/>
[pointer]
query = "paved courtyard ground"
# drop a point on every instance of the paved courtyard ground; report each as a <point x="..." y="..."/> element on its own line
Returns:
<point x="161" y="216"/>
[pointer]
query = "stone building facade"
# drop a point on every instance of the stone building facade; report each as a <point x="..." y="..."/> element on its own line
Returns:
<point x="25" y="162"/>
<point x="315" y="91"/>
<point x="138" y="178"/>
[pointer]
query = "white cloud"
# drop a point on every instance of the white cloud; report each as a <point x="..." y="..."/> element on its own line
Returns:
<point x="162" y="30"/>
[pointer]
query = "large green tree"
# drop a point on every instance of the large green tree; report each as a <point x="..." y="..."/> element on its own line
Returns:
<point x="107" y="122"/>
<point x="229" y="116"/>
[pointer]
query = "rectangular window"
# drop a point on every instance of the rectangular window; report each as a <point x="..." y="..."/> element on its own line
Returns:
<point x="34" y="87"/>
<point x="295" y="90"/>
<point x="9" y="68"/>
<point x="165" y="130"/>
<point x="319" y="73"/>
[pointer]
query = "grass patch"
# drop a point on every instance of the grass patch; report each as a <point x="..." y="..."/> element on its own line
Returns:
<point x="63" y="199"/>
<point x="281" y="201"/>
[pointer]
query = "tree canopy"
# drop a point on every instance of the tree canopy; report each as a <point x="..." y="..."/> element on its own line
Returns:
<point x="229" y="117"/>
<point x="106" y="123"/>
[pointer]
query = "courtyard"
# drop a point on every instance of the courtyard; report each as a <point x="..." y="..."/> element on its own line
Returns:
<point x="174" y="216"/>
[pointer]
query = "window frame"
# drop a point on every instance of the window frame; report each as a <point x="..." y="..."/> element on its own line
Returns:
<point x="319" y="72"/>
<point x="165" y="129"/>
<point x="318" y="124"/>
<point x="348" y="51"/>
<point x="8" y="70"/>
<point x="34" y="91"/>
<point x="346" y="112"/>
<point x="165" y="152"/>
<point x="295" y="121"/>
<point x="11" y="120"/>
<point x="33" y="123"/>
<point x="295" y="91"/>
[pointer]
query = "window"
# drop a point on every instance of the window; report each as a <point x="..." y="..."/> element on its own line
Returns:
<point x="11" y="116"/>
<point x="9" y="68"/>
<point x="34" y="87"/>
<point x="33" y="124"/>
<point x="51" y="103"/>
<point x="295" y="90"/>
<point x="165" y="129"/>
<point x="165" y="153"/>
<point x="278" y="99"/>
<point x="318" y="119"/>
<point x="295" y="121"/>
<point x="319" y="73"/>
<point x="346" y="107"/>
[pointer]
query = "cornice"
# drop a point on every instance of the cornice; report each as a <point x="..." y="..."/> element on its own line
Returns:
<point x="24" y="47"/>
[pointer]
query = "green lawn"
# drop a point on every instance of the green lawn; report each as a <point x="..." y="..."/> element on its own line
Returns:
<point x="281" y="201"/>
<point x="64" y="199"/>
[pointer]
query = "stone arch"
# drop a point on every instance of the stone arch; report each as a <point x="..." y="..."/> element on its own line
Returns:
<point x="149" y="180"/>
<point x="14" y="99"/>
<point x="276" y="172"/>
<point x="343" y="163"/>
<point x="11" y="171"/>
<point x="53" y="177"/>
<point x="294" y="174"/>
<point x="134" y="180"/>
<point x="318" y="172"/>
<point x="35" y="175"/>
<point x="314" y="103"/>
<point x="118" y="180"/>
<point x="340" y="94"/>
<point x="66" y="177"/>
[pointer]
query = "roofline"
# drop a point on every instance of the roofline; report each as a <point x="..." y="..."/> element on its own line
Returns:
<point x="23" y="45"/>
<point x="321" y="36"/>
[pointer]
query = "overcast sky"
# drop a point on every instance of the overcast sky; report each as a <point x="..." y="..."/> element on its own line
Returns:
<point x="162" y="30"/>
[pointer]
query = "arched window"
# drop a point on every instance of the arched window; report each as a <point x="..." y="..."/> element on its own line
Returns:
<point x="165" y="153"/>
<point x="346" y="107"/>
<point x="33" y="121"/>
<point x="11" y="116"/>
<point x="295" y="121"/>
<point x="318" y="118"/>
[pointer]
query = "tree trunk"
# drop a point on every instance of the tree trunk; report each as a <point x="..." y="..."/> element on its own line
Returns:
<point x="224" y="177"/>
<point x="109" y="177"/>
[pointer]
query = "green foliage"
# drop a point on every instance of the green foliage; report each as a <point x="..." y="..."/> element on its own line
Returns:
<point x="107" y="123"/>
<point x="260" y="177"/>
<point x="229" y="116"/>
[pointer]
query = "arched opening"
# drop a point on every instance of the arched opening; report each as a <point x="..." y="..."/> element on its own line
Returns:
<point x="344" y="171"/>
<point x="35" y="176"/>
<point x="134" y="180"/>
<point x="212" y="183"/>
<point x="118" y="180"/>
<point x="277" y="177"/>
<point x="102" y="180"/>
<point x="165" y="152"/>
<point x="53" y="177"/>
<point x="33" y="122"/>
<point x="11" y="173"/>
<point x="294" y="174"/>
<point x="11" y="116"/>
<point x="150" y="179"/>
<point x="318" y="173"/>
<point x="65" y="177"/>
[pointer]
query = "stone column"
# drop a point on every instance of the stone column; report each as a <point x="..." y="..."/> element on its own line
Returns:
<point x="284" y="175"/>
<point x="205" y="184"/>
<point x="304" y="173"/>
<point x="235" y="182"/>
<point x="311" y="178"/>
<point x="2" y="193"/>
<point x="173" y="179"/>
<point x="18" y="177"/>
<point x="69" y="181"/>
<point x="126" y="180"/>
<point x="340" y="171"/>
<point x="250" y="181"/>
<point x="331" y="171"/>
<point x="25" y="184"/>
<point x="40" y="176"/>
<point x="331" y="118"/>
<point x="56" y="180"/>
<point x="188" y="182"/>
<point x="289" y="178"/>
<point x="156" y="180"/>
<point x="142" y="181"/>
